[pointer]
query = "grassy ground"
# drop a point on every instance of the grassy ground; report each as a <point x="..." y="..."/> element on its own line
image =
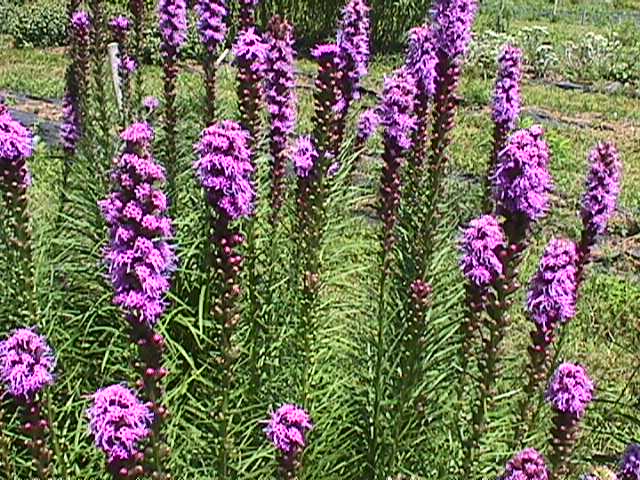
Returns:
<point x="606" y="333"/>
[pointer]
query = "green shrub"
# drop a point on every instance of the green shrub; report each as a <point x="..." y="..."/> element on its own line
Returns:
<point x="39" y="24"/>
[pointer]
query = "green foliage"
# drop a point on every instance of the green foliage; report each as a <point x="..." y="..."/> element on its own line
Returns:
<point x="39" y="24"/>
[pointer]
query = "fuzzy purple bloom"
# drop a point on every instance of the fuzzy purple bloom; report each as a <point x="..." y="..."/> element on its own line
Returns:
<point x="212" y="25"/>
<point x="304" y="156"/>
<point x="629" y="468"/>
<point x="150" y="103"/>
<point x="602" y="188"/>
<point x="26" y="364"/>
<point x="16" y="142"/>
<point x="552" y="295"/>
<point x="280" y="83"/>
<point x="172" y="15"/>
<point x="328" y="56"/>
<point x="70" y="129"/>
<point x="251" y="51"/>
<point x="522" y="181"/>
<point x="118" y="421"/>
<point x="287" y="428"/>
<point x="526" y="465"/>
<point x="422" y="59"/>
<point x="453" y="20"/>
<point x="397" y="110"/>
<point x="120" y="27"/>
<point x="507" y="101"/>
<point x="81" y="23"/>
<point x="570" y="390"/>
<point x="224" y="169"/>
<point x="368" y="124"/>
<point x="139" y="257"/>
<point x="353" y="41"/>
<point x="480" y="245"/>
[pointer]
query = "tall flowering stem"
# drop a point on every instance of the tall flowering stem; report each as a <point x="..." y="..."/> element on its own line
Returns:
<point x="212" y="28"/>
<point x="138" y="13"/>
<point x="599" y="201"/>
<point x="354" y="44"/>
<point x="120" y="27"/>
<point x="26" y="369"/>
<point x="569" y="393"/>
<point x="286" y="430"/>
<point x="281" y="100"/>
<point x="248" y="13"/>
<point x="506" y="106"/>
<point x="120" y="422"/>
<point x="224" y="169"/>
<point x="551" y="302"/>
<point x="250" y="52"/>
<point x="140" y="262"/>
<point x="172" y="15"/>
<point x="399" y="124"/>
<point x="16" y="147"/>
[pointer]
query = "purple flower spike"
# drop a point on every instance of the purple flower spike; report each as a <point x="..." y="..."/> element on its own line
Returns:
<point x="212" y="25"/>
<point x="422" y="60"/>
<point x="368" y="124"/>
<point x="139" y="257"/>
<point x="522" y="182"/>
<point x="120" y="27"/>
<point x="353" y="41"/>
<point x="251" y="50"/>
<point x="570" y="390"/>
<point x="81" y="23"/>
<point x="602" y="189"/>
<point x="552" y="295"/>
<point x="118" y="421"/>
<point x="16" y="142"/>
<point x="630" y="464"/>
<point x="150" y="103"/>
<point x="305" y="156"/>
<point x="397" y="110"/>
<point x="172" y="15"/>
<point x="453" y="20"/>
<point x="287" y="428"/>
<point x="526" y="465"/>
<point x="507" y="101"/>
<point x="26" y="364"/>
<point x="70" y="129"/>
<point x="481" y="244"/>
<point x="224" y="169"/>
<point x="248" y="13"/>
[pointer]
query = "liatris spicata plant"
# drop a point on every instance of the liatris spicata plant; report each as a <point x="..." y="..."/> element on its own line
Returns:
<point x="120" y="27"/>
<point x="212" y="15"/>
<point x="397" y="113"/>
<point x="602" y="188"/>
<point x="551" y="302"/>
<point x="250" y="52"/>
<point x="16" y="146"/>
<point x="26" y="369"/>
<point x="526" y="465"/>
<point x="286" y="430"/>
<point x="368" y="124"/>
<point x="281" y="101"/>
<point x="629" y="468"/>
<point x="421" y="62"/>
<point x="522" y="182"/>
<point x="224" y="169"/>
<point x="248" y="13"/>
<point x="137" y="10"/>
<point x="172" y="16"/>
<point x="452" y="23"/>
<point x="506" y="106"/>
<point x="140" y="261"/>
<point x="569" y="393"/>
<point x="353" y="41"/>
<point x="119" y="422"/>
